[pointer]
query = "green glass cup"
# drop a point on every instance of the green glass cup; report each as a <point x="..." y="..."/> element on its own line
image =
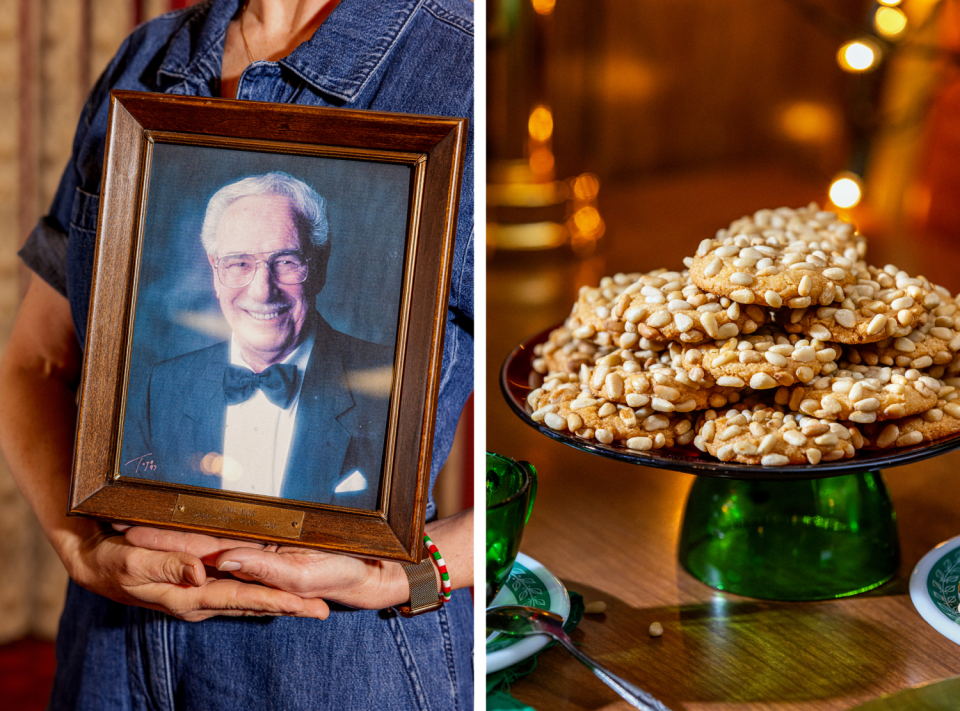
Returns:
<point x="813" y="539"/>
<point x="511" y="490"/>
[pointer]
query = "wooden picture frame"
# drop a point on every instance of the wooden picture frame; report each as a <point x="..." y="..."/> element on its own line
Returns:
<point x="396" y="183"/>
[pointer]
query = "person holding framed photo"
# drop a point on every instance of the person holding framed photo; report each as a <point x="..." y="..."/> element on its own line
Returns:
<point x="151" y="615"/>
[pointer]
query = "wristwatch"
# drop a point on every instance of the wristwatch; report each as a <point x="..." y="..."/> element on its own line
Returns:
<point x="424" y="596"/>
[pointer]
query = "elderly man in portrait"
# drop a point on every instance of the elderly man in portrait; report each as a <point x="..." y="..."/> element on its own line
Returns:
<point x="272" y="410"/>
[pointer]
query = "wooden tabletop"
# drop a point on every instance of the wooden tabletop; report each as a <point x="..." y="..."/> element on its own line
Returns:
<point x="609" y="530"/>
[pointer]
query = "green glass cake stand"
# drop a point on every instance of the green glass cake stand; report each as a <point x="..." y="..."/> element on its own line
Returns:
<point x="800" y="532"/>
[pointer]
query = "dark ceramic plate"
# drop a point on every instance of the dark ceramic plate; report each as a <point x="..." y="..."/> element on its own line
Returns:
<point x="515" y="382"/>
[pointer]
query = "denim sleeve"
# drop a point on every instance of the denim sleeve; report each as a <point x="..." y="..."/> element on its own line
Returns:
<point x="45" y="252"/>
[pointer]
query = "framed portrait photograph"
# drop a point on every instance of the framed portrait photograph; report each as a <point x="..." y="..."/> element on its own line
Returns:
<point x="266" y="321"/>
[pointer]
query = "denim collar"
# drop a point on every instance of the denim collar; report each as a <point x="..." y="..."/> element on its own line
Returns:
<point x="338" y="60"/>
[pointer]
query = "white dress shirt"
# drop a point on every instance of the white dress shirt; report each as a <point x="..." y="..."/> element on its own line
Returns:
<point x="257" y="434"/>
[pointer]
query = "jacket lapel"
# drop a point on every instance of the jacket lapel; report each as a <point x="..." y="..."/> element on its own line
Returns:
<point x="206" y="413"/>
<point x="320" y="440"/>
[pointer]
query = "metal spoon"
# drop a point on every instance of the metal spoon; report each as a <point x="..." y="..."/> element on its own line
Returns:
<point x="522" y="621"/>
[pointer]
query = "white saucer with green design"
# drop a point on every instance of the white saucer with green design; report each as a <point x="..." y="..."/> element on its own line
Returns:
<point x="530" y="584"/>
<point x="933" y="588"/>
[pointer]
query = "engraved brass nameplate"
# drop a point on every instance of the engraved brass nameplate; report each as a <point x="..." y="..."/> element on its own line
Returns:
<point x="234" y="516"/>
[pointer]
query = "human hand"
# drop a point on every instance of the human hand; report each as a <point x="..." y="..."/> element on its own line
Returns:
<point x="174" y="582"/>
<point x="309" y="574"/>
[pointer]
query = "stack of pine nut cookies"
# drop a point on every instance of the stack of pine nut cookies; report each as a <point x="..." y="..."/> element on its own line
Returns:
<point x="778" y="344"/>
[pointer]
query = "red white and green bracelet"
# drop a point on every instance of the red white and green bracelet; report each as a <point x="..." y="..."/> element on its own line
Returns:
<point x="445" y="587"/>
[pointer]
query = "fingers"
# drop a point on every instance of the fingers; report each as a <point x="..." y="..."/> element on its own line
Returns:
<point x="198" y="544"/>
<point x="276" y="570"/>
<point x="143" y="566"/>
<point x="231" y="598"/>
<point x="176" y="583"/>
<point x="302" y="572"/>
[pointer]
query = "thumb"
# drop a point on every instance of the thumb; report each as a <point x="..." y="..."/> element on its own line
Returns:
<point x="174" y="568"/>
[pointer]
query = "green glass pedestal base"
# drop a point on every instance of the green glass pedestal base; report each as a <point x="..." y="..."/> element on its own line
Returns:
<point x="812" y="539"/>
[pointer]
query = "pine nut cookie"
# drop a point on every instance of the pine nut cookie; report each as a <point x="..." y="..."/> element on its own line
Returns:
<point x="656" y="386"/>
<point x="780" y="258"/>
<point x="578" y="412"/>
<point x="863" y="394"/>
<point x="920" y="349"/>
<point x="761" y="361"/>
<point x="940" y="421"/>
<point x="564" y="352"/>
<point x="661" y="306"/>
<point x="772" y="437"/>
<point x="883" y="303"/>
<point x="936" y="343"/>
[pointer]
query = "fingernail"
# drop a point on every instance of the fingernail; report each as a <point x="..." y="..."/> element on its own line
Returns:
<point x="121" y="526"/>
<point x="190" y="575"/>
<point x="229" y="565"/>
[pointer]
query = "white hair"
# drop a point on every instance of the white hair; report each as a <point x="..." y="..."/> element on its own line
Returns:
<point x="308" y="206"/>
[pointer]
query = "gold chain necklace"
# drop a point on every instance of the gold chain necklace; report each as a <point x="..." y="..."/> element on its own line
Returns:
<point x="243" y="34"/>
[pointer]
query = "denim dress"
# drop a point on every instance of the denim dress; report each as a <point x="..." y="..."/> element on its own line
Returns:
<point x="411" y="56"/>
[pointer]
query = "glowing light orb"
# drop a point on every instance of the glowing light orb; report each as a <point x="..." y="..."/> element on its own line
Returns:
<point x="845" y="191"/>
<point x="857" y="56"/>
<point x="890" y="21"/>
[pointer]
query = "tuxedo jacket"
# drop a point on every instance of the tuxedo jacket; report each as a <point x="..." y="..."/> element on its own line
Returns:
<point x="338" y="431"/>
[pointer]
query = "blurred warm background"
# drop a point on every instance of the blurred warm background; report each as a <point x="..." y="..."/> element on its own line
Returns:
<point x="621" y="133"/>
<point x="51" y="51"/>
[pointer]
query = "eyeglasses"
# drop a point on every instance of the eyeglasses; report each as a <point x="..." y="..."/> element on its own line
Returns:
<point x="236" y="271"/>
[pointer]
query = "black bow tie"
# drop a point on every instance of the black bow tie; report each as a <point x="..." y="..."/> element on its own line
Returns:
<point x="278" y="382"/>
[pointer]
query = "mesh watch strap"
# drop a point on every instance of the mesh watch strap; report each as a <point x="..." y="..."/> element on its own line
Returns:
<point x="423" y="589"/>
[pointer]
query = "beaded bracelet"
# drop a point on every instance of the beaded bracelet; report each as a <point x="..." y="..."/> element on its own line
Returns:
<point x="445" y="587"/>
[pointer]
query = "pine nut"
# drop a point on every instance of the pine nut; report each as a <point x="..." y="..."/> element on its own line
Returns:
<point x="774" y="460"/>
<point x="709" y="323"/>
<point x="684" y="323"/>
<point x="640" y="443"/>
<point x="661" y="405"/>
<point x="727" y="330"/>
<point x="877" y="325"/>
<point x="795" y="438"/>
<point x="658" y="319"/>
<point x="775" y="359"/>
<point x="820" y="331"/>
<point x="767" y="444"/>
<point x="762" y="381"/>
<point x="905" y="345"/>
<point x="708" y="431"/>
<point x="555" y="421"/>
<point x="905" y="440"/>
<point x="656" y="422"/>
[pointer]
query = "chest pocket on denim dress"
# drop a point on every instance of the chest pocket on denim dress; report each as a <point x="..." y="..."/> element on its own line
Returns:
<point x="80" y="252"/>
